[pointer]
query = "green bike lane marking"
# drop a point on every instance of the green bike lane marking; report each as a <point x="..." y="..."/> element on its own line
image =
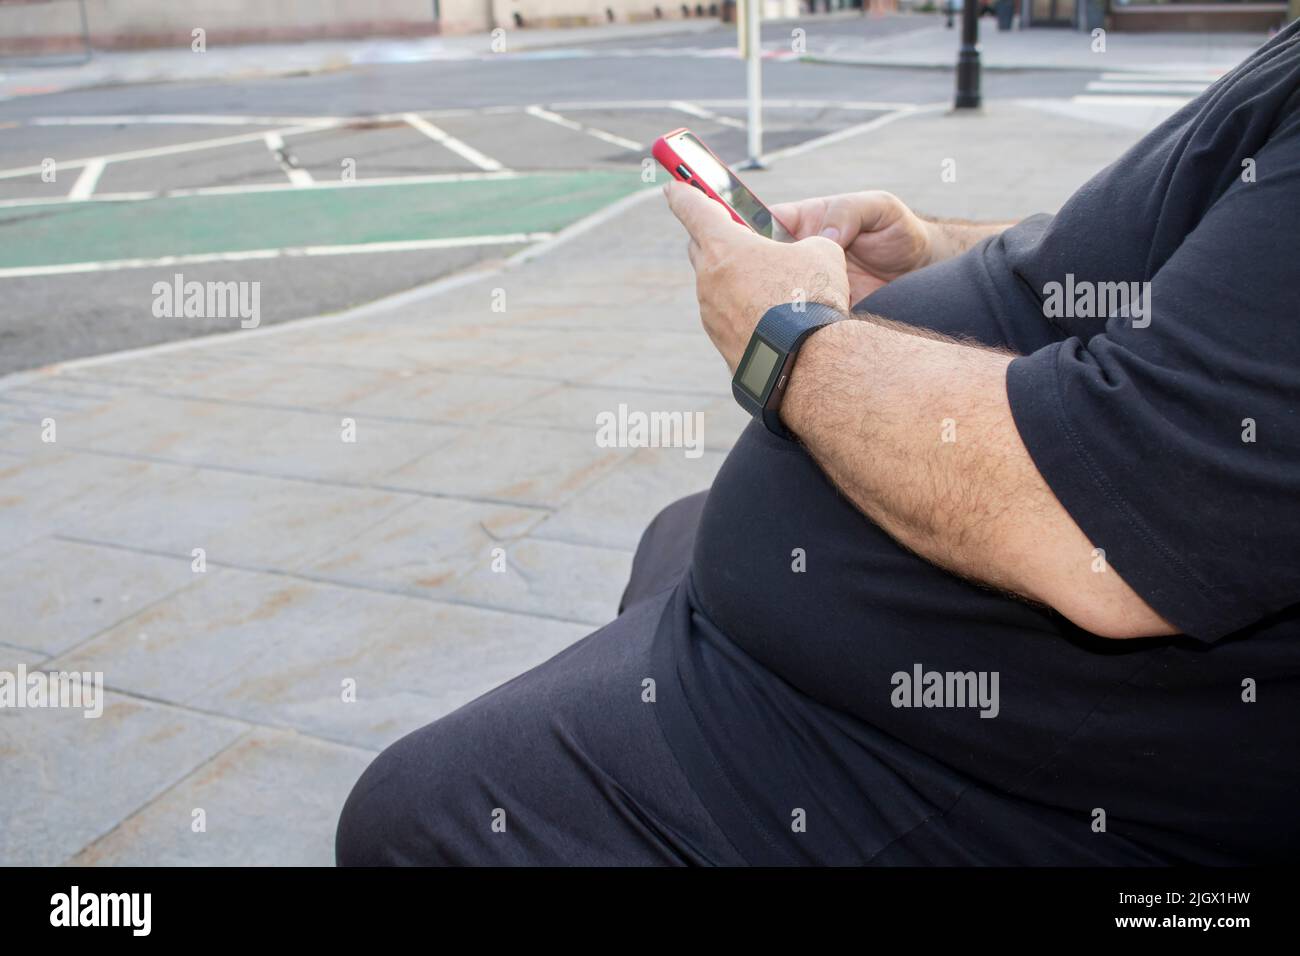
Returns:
<point x="77" y="232"/>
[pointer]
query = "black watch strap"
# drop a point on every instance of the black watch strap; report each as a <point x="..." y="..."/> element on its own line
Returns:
<point x="764" y="369"/>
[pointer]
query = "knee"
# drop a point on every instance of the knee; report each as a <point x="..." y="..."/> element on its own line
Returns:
<point x="369" y="830"/>
<point x="398" y="810"/>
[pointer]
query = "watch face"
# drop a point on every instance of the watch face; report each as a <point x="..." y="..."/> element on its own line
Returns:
<point x="756" y="368"/>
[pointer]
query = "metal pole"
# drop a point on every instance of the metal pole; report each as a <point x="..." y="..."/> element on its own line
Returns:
<point x="968" y="60"/>
<point x="85" y="32"/>
<point x="754" y="80"/>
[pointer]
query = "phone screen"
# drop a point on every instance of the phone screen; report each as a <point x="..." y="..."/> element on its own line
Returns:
<point x="724" y="182"/>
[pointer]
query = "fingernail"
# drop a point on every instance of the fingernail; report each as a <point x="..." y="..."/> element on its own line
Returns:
<point x="831" y="233"/>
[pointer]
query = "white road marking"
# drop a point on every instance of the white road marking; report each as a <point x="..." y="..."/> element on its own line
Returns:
<point x="1209" y="76"/>
<point x="155" y="151"/>
<point x="691" y="109"/>
<point x="850" y="131"/>
<point x="61" y="200"/>
<point x="1098" y="86"/>
<point x="297" y="177"/>
<point x="246" y="255"/>
<point x="1131" y="100"/>
<point x="574" y="125"/>
<point x="187" y="119"/>
<point x="244" y="188"/>
<point x="463" y="150"/>
<point x="85" y="185"/>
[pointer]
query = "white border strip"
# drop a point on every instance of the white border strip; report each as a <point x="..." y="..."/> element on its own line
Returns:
<point x="244" y="255"/>
<point x="277" y="187"/>
<point x="160" y="151"/>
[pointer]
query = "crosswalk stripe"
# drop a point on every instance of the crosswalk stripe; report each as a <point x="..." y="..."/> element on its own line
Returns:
<point x="1108" y="86"/>
<point x="1181" y="76"/>
<point x="1086" y="100"/>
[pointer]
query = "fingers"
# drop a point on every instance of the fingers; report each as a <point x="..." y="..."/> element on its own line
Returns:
<point x="839" y="218"/>
<point x="703" y="218"/>
<point x="848" y="216"/>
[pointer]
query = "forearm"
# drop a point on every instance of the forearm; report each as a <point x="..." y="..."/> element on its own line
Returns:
<point x="952" y="237"/>
<point x="916" y="430"/>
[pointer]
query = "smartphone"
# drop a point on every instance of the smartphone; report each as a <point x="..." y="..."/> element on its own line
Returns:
<point x="689" y="161"/>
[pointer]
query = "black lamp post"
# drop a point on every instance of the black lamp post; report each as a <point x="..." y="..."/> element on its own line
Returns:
<point x="968" y="60"/>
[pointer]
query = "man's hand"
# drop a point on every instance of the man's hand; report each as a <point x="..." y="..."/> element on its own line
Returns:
<point x="882" y="239"/>
<point x="739" y="275"/>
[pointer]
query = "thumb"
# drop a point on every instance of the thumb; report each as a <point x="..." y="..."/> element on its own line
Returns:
<point x="702" y="217"/>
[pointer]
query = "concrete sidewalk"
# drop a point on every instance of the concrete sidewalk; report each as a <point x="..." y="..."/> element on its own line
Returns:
<point x="935" y="47"/>
<point x="345" y="591"/>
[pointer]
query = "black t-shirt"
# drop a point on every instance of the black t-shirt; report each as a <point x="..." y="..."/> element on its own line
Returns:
<point x="1171" y="434"/>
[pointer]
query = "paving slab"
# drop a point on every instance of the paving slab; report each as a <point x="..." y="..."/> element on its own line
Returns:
<point x="613" y="512"/>
<point x="546" y="579"/>
<point x="480" y="348"/>
<point x="83" y="590"/>
<point x="241" y="378"/>
<point x="418" y="549"/>
<point x="239" y="519"/>
<point x="46" y="489"/>
<point x="316" y="445"/>
<point x="460" y="397"/>
<point x="270" y="799"/>
<point x="526" y="466"/>
<point x="576" y="407"/>
<point x="276" y="650"/>
<point x="63" y="773"/>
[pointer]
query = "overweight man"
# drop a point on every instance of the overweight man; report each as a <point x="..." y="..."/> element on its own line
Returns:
<point x="1006" y="569"/>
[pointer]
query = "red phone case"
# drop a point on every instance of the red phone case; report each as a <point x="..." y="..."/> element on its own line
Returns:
<point x="670" y="161"/>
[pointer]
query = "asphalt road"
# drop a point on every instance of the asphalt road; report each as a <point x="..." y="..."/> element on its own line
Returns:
<point x="445" y="164"/>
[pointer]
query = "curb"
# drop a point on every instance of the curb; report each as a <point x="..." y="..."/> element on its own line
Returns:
<point x="950" y="65"/>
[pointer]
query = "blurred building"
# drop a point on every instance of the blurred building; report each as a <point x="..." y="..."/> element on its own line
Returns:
<point x="53" y="25"/>
<point x="45" y="25"/>
<point x="1217" y="15"/>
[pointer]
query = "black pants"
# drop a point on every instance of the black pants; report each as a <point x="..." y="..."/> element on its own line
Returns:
<point x="565" y="764"/>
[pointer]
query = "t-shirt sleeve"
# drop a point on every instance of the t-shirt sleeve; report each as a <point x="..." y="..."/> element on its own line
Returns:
<point x="1173" y="439"/>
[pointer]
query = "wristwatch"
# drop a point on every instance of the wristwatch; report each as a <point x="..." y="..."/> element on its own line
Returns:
<point x="764" y="370"/>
